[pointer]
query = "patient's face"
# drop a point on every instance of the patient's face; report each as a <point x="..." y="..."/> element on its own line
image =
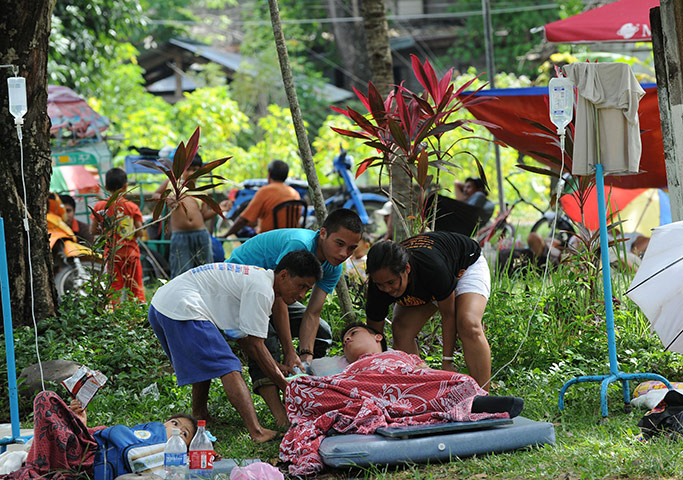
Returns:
<point x="359" y="341"/>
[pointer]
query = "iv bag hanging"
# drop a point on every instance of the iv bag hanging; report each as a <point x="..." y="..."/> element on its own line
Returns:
<point x="17" y="97"/>
<point x="561" y="93"/>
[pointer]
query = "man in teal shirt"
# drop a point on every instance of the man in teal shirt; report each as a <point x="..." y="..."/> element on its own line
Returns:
<point x="332" y="244"/>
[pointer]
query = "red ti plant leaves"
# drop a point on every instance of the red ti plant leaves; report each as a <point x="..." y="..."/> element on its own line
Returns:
<point x="364" y="166"/>
<point x="362" y="98"/>
<point x="349" y="133"/>
<point x="376" y="105"/>
<point x="407" y="128"/>
<point x="426" y="76"/>
<point x="398" y="134"/>
<point x="362" y="122"/>
<point x="341" y="111"/>
<point x="422" y="166"/>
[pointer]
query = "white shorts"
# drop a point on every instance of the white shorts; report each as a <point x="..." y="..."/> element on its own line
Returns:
<point x="476" y="279"/>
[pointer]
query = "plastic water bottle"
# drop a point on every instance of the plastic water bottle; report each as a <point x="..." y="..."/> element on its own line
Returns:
<point x="201" y="453"/>
<point x="175" y="457"/>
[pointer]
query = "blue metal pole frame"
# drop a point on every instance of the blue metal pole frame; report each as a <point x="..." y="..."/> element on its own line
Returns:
<point x="15" y="437"/>
<point x="615" y="374"/>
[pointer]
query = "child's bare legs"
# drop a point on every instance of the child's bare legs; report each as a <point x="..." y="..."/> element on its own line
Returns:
<point x="239" y="397"/>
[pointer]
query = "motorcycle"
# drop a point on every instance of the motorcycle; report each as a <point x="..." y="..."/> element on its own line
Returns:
<point x="73" y="262"/>
<point x="349" y="196"/>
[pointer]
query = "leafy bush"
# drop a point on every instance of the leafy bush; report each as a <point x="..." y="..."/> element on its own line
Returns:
<point x="118" y="341"/>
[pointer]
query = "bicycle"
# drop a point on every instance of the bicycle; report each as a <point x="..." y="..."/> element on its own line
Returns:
<point x="500" y="232"/>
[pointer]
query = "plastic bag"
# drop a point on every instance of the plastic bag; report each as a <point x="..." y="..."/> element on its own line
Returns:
<point x="256" y="471"/>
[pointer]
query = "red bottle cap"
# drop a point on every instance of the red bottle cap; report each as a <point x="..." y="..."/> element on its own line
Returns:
<point x="201" y="423"/>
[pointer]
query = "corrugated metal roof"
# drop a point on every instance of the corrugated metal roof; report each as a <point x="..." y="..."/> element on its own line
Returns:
<point x="231" y="61"/>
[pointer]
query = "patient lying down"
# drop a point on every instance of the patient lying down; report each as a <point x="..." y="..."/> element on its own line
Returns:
<point x="378" y="389"/>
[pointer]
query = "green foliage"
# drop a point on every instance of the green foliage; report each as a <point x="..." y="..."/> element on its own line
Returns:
<point x="327" y="144"/>
<point x="139" y="117"/>
<point x="118" y="341"/>
<point x="182" y="184"/>
<point x="84" y="34"/>
<point x="258" y="83"/>
<point x="218" y="115"/>
<point x="512" y="40"/>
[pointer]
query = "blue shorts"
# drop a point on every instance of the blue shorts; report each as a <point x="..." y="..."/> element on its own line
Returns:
<point x="196" y="348"/>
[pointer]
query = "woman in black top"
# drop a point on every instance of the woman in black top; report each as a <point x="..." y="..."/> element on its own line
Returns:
<point x="433" y="271"/>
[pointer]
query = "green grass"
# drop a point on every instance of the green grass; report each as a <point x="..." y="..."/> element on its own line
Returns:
<point x="538" y="343"/>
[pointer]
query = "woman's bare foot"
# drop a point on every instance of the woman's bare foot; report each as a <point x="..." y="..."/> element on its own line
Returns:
<point x="266" y="435"/>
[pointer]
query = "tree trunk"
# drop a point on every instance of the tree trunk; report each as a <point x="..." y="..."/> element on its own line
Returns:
<point x="667" y="47"/>
<point x="350" y="40"/>
<point x="24" y="37"/>
<point x="304" y="147"/>
<point x="377" y="41"/>
<point x="381" y="67"/>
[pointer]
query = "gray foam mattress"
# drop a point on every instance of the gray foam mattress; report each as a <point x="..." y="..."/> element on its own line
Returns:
<point x="364" y="450"/>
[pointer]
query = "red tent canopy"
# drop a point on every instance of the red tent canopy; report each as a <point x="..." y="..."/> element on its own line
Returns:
<point x="515" y="109"/>
<point x="621" y="21"/>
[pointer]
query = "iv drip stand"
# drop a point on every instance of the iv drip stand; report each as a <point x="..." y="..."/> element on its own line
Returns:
<point x="15" y="436"/>
<point x="615" y="374"/>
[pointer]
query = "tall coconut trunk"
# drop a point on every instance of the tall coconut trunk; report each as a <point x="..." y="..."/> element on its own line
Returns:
<point x="304" y="147"/>
<point x="381" y="68"/>
<point x="377" y="44"/>
<point x="24" y="37"/>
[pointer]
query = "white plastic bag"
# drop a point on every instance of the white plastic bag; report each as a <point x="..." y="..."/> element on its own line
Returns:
<point x="12" y="461"/>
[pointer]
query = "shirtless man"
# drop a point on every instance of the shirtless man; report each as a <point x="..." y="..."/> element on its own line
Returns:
<point x="190" y="240"/>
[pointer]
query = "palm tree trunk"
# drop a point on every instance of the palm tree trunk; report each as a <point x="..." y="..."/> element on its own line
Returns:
<point x="304" y="147"/>
<point x="381" y="68"/>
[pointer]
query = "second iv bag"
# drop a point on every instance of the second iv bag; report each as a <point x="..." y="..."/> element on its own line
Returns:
<point x="561" y="93"/>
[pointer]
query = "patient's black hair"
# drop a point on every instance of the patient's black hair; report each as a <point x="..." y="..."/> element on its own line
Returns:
<point x="186" y="417"/>
<point x="366" y="327"/>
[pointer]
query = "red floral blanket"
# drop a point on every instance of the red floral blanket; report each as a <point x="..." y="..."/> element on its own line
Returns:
<point x="63" y="448"/>
<point x="383" y="389"/>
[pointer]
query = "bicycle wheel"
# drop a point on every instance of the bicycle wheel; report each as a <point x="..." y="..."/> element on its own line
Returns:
<point x="563" y="230"/>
